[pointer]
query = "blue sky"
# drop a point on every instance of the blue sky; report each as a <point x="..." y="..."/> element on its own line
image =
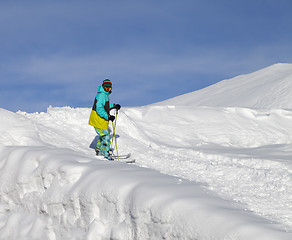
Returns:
<point x="57" y="52"/>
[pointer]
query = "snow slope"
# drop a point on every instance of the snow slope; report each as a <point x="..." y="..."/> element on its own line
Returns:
<point x="270" y="87"/>
<point x="202" y="173"/>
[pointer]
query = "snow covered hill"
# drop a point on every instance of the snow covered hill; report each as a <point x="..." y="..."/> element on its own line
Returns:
<point x="202" y="172"/>
<point x="270" y="87"/>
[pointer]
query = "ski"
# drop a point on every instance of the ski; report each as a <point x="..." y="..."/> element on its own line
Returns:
<point x="123" y="156"/>
<point x="129" y="161"/>
<point x="123" y="160"/>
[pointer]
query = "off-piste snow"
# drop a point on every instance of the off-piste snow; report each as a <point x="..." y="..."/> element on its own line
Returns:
<point x="212" y="164"/>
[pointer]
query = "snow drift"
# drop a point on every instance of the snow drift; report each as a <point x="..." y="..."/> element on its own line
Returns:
<point x="270" y="87"/>
<point x="58" y="194"/>
<point x="202" y="172"/>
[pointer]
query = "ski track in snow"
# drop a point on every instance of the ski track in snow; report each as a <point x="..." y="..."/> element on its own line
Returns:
<point x="242" y="154"/>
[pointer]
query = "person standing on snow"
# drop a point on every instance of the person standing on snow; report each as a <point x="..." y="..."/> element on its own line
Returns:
<point x="100" y="117"/>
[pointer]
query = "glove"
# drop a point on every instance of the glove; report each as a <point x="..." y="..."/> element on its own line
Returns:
<point x="117" y="106"/>
<point x="111" y="118"/>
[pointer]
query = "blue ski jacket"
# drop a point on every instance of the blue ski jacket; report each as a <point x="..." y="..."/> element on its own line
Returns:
<point x="100" y="110"/>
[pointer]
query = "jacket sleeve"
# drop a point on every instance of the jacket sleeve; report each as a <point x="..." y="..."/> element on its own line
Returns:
<point x="100" y="106"/>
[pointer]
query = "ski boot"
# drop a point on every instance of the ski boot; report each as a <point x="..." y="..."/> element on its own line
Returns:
<point x="97" y="152"/>
<point x="109" y="157"/>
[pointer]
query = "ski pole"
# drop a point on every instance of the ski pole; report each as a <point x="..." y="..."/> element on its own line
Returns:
<point x="114" y="134"/>
<point x="114" y="128"/>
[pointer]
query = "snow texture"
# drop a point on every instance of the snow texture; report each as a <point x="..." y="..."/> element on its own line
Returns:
<point x="212" y="164"/>
<point x="267" y="88"/>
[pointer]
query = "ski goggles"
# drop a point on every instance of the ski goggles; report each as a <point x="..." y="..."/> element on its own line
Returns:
<point x="107" y="88"/>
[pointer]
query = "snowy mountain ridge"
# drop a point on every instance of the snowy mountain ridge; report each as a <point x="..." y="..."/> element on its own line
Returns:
<point x="202" y="172"/>
<point x="270" y="87"/>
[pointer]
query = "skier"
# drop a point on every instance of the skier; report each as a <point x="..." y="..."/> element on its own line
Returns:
<point x="100" y="117"/>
